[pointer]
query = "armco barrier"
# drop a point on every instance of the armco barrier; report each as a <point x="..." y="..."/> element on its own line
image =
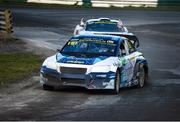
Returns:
<point x="63" y="2"/>
<point x="102" y="3"/>
<point x="5" y="23"/>
<point x="124" y="3"/>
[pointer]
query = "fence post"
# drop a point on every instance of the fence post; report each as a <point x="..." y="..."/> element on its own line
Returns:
<point x="8" y="21"/>
<point x="87" y="3"/>
<point x="6" y="27"/>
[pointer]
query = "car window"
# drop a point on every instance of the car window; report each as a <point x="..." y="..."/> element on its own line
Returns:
<point x="122" y="49"/>
<point x="90" y="46"/>
<point x="131" y="46"/>
<point x="103" y="26"/>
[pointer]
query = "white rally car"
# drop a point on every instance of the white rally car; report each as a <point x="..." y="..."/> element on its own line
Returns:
<point x="104" y="26"/>
<point x="95" y="62"/>
<point x="100" y="26"/>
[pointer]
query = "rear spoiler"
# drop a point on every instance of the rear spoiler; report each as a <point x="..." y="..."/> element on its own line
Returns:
<point x="132" y="38"/>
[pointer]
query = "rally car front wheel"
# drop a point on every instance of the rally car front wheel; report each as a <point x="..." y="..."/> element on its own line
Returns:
<point x="117" y="82"/>
<point x="141" y="76"/>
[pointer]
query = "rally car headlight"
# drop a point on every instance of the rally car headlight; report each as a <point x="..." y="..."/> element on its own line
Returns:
<point x="51" y="65"/>
<point x="100" y="69"/>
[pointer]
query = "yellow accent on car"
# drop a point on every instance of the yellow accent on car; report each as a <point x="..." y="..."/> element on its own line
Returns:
<point x="132" y="58"/>
<point x="72" y="43"/>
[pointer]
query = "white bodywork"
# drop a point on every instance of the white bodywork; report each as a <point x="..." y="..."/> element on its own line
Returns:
<point x="110" y="64"/>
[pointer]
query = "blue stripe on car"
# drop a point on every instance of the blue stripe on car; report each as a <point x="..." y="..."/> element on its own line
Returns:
<point x="76" y="60"/>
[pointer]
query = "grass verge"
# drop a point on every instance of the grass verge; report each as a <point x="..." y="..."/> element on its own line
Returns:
<point x="15" y="66"/>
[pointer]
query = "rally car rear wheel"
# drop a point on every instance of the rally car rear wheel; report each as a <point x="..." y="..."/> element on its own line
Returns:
<point x="117" y="82"/>
<point x="141" y="76"/>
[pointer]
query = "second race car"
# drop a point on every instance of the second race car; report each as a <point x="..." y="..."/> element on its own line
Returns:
<point x="105" y="26"/>
<point x="100" y="25"/>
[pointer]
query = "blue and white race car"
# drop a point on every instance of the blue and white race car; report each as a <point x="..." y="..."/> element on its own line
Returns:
<point x="95" y="62"/>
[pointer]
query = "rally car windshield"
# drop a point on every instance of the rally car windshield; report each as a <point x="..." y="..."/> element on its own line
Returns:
<point x="90" y="47"/>
<point x="103" y="26"/>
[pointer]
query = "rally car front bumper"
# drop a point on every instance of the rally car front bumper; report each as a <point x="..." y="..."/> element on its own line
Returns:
<point x="68" y="77"/>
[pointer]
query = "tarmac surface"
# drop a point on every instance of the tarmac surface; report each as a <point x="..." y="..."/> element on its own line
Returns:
<point x="159" y="35"/>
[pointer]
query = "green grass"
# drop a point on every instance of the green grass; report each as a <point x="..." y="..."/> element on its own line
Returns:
<point x="15" y="66"/>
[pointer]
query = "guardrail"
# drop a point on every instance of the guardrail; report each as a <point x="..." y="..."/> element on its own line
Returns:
<point x="124" y="3"/>
<point x="112" y="3"/>
<point x="102" y="3"/>
<point x="6" y="27"/>
<point x="63" y="2"/>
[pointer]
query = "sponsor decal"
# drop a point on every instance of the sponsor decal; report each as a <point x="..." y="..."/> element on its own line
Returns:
<point x="85" y="61"/>
<point x="121" y="62"/>
<point x="105" y="22"/>
<point x="100" y="41"/>
<point x="102" y="22"/>
<point x="72" y="43"/>
<point x="75" y="62"/>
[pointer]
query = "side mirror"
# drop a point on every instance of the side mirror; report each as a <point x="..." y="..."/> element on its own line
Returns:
<point x="82" y="22"/>
<point x="135" y="43"/>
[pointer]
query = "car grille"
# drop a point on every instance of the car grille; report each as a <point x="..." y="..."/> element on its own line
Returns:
<point x="70" y="70"/>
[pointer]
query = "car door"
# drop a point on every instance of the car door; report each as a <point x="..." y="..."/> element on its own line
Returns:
<point x="132" y="57"/>
<point x="126" y="64"/>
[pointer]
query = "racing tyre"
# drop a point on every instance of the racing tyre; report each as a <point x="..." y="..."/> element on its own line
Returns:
<point x="117" y="83"/>
<point x="141" y="76"/>
<point x="47" y="87"/>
